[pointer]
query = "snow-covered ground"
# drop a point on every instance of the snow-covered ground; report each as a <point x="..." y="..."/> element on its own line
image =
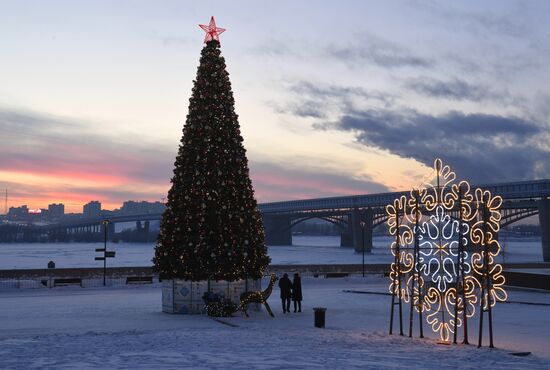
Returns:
<point x="306" y="250"/>
<point x="124" y="328"/>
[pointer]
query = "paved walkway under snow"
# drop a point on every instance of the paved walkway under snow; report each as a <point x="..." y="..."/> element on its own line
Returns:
<point x="124" y="328"/>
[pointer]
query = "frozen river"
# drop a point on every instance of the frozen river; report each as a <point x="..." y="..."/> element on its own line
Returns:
<point x="306" y="250"/>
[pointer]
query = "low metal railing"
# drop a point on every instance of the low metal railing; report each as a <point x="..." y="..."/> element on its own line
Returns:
<point x="93" y="277"/>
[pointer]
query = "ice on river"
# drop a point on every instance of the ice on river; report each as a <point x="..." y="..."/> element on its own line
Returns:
<point x="305" y="250"/>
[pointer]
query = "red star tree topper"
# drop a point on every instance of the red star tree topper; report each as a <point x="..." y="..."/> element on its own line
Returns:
<point x="212" y="32"/>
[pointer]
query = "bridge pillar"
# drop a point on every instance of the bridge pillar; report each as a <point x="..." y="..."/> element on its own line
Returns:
<point x="347" y="236"/>
<point x="544" y="218"/>
<point x="365" y="240"/>
<point x="146" y="227"/>
<point x="277" y="230"/>
<point x="352" y="237"/>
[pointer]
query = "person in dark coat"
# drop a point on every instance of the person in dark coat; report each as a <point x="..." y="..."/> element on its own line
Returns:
<point x="297" y="292"/>
<point x="286" y="292"/>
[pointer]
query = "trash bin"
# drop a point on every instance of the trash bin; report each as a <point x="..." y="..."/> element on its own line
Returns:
<point x="319" y="316"/>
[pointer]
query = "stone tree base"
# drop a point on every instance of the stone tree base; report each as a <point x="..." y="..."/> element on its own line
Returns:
<point x="185" y="297"/>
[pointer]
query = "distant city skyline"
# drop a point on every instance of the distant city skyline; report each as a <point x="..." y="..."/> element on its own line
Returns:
<point x="333" y="98"/>
<point x="60" y="207"/>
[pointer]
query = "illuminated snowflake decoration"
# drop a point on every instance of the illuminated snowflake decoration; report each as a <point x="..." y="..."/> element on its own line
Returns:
<point x="439" y="250"/>
<point x="445" y="246"/>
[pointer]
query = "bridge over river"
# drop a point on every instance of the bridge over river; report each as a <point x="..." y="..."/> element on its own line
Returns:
<point x="358" y="215"/>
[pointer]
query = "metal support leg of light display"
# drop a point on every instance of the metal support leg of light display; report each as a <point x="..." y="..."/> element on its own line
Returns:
<point x="399" y="291"/>
<point x="460" y="279"/>
<point x="362" y="224"/>
<point x="420" y="288"/>
<point x="397" y="279"/>
<point x="416" y="273"/>
<point x="439" y="232"/>
<point x="394" y="277"/>
<point x="411" y="306"/>
<point x="486" y="288"/>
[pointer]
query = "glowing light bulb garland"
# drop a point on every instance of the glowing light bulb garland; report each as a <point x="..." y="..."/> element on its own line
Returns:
<point x="444" y="253"/>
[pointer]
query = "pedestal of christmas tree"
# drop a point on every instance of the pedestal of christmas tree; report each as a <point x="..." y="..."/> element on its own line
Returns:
<point x="211" y="236"/>
<point x="186" y="297"/>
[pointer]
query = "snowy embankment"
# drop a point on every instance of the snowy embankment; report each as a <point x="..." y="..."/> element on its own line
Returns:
<point x="124" y="328"/>
<point x="306" y="250"/>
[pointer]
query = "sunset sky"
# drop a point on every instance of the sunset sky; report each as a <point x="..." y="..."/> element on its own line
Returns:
<point x="333" y="97"/>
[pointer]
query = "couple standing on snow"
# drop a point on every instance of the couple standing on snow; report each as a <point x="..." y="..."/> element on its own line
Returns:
<point x="291" y="289"/>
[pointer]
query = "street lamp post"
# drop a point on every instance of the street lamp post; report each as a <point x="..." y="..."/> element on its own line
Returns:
<point x="106" y="253"/>
<point x="362" y="223"/>
<point x="105" y="224"/>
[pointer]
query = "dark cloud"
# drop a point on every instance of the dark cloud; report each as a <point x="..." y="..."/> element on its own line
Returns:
<point x="455" y="89"/>
<point x="308" y="108"/>
<point x="365" y="48"/>
<point x="317" y="100"/>
<point x="368" y="48"/>
<point x="481" y="147"/>
<point x="320" y="91"/>
<point x="460" y="90"/>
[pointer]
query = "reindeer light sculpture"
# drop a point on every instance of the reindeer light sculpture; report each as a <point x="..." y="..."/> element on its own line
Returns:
<point x="258" y="297"/>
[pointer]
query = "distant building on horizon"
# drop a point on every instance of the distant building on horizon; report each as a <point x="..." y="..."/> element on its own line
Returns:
<point x="92" y="209"/>
<point x="131" y="207"/>
<point x="18" y="213"/>
<point x="56" y="211"/>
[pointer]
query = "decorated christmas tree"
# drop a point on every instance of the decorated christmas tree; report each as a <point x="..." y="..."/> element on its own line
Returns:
<point x="211" y="229"/>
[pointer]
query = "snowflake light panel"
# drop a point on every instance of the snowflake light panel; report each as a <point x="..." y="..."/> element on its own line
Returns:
<point x="444" y="253"/>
